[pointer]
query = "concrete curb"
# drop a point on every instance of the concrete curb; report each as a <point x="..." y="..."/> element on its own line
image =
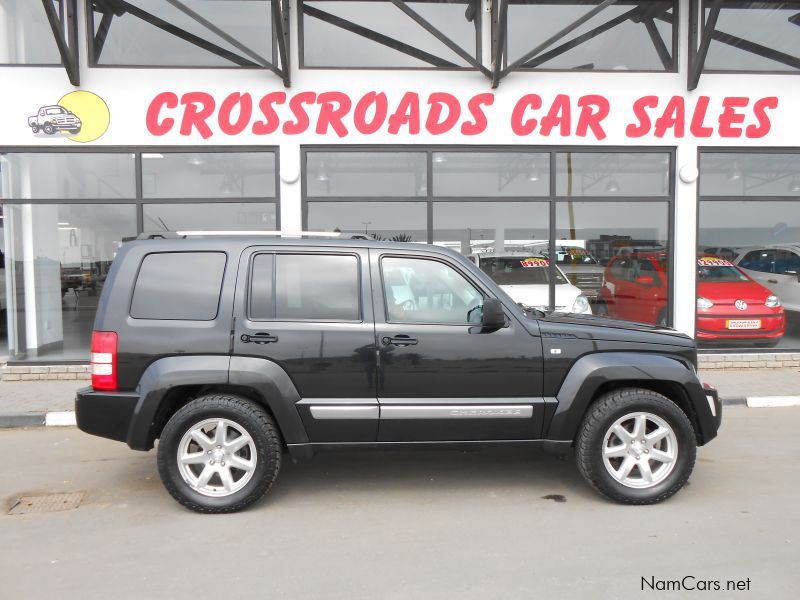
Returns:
<point x="37" y="419"/>
<point x="67" y="418"/>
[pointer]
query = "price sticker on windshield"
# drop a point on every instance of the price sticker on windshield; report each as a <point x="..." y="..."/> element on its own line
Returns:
<point x="534" y="262"/>
<point x="713" y="261"/>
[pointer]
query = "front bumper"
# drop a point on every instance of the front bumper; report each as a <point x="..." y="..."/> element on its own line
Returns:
<point x="105" y="414"/>
<point x="714" y="404"/>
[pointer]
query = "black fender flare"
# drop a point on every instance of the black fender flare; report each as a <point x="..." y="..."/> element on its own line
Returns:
<point x="593" y="370"/>
<point x="270" y="383"/>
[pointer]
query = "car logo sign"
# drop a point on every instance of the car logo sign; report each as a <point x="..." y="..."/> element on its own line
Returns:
<point x="740" y="304"/>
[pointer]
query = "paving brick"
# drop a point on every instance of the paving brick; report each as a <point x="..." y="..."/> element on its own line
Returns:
<point x="78" y="369"/>
<point x="67" y="376"/>
<point x="38" y="369"/>
<point x="8" y="369"/>
<point x="30" y="377"/>
<point x="58" y="369"/>
<point x="11" y="376"/>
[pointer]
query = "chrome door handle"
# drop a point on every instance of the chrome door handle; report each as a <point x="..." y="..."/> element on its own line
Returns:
<point x="259" y="338"/>
<point x="400" y="340"/>
<point x="772" y="281"/>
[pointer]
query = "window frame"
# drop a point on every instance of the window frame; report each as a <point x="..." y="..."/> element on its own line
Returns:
<point x="552" y="199"/>
<point x="138" y="198"/>
<point x="446" y="263"/>
<point x="139" y="273"/>
<point x="733" y="150"/>
<point x="275" y="252"/>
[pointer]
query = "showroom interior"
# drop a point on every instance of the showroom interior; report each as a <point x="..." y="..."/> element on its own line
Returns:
<point x="642" y="226"/>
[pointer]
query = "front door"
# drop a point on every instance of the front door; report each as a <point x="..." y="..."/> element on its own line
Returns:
<point x="311" y="313"/>
<point x="440" y="375"/>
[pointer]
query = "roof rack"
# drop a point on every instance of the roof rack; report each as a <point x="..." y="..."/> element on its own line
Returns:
<point x="171" y="235"/>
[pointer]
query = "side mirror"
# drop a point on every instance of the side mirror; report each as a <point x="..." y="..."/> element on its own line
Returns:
<point x="795" y="273"/>
<point x="493" y="315"/>
<point x="645" y="280"/>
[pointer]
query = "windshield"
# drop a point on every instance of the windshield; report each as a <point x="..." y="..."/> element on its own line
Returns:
<point x="55" y="111"/>
<point x="519" y="270"/>
<point x="574" y="255"/>
<point x="718" y="270"/>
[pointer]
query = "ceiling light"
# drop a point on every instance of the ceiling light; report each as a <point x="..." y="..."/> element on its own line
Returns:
<point x="534" y="175"/>
<point x="736" y="173"/>
<point x="152" y="155"/>
<point x="613" y="186"/>
<point x="322" y="174"/>
<point x="794" y="184"/>
<point x="439" y="157"/>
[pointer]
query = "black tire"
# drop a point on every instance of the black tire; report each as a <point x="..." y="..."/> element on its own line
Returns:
<point x="597" y="424"/>
<point x="245" y="414"/>
<point x="35" y="128"/>
<point x="49" y="129"/>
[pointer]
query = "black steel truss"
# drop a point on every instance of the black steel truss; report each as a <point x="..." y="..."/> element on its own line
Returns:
<point x="471" y="14"/>
<point x="642" y="12"/>
<point x="246" y="57"/>
<point x="700" y="39"/>
<point x="64" y="25"/>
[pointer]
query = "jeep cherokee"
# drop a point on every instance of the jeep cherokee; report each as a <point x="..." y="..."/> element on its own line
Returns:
<point x="233" y="351"/>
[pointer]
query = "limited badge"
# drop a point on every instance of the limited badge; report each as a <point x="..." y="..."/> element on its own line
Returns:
<point x="740" y="304"/>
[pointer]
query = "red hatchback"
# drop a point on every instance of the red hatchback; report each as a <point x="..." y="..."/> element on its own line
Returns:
<point x="730" y="305"/>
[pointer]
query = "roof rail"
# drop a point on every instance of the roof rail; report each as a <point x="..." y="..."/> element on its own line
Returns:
<point x="169" y="235"/>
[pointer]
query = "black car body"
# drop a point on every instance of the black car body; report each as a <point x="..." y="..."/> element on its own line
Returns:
<point x="345" y="343"/>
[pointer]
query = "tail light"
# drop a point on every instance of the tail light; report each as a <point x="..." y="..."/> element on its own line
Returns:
<point x="104" y="360"/>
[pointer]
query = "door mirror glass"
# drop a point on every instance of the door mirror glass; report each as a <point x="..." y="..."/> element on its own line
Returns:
<point x="493" y="315"/>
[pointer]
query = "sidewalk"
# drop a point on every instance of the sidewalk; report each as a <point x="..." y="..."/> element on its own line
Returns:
<point x="28" y="403"/>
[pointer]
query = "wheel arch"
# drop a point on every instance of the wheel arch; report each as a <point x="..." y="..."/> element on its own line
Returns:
<point x="597" y="374"/>
<point x="170" y="383"/>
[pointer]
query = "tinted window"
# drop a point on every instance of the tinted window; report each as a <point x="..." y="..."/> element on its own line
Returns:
<point x="317" y="287"/>
<point x="262" y="300"/>
<point x="179" y="285"/>
<point x="759" y="260"/>
<point x="426" y="291"/>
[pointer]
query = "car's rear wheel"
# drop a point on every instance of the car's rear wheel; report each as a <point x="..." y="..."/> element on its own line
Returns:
<point x="35" y="128"/>
<point x="49" y="129"/>
<point x="636" y="446"/>
<point x="219" y="454"/>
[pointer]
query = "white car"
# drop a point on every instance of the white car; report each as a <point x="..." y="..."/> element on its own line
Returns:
<point x="776" y="267"/>
<point x="525" y="278"/>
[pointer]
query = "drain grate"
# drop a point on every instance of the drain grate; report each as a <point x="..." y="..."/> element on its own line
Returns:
<point x="46" y="503"/>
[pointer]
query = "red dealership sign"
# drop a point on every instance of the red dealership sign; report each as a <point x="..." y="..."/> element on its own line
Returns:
<point x="438" y="113"/>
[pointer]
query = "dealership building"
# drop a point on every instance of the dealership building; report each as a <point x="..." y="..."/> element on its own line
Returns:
<point x="642" y="147"/>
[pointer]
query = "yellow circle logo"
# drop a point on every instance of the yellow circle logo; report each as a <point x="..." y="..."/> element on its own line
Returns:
<point x="92" y="111"/>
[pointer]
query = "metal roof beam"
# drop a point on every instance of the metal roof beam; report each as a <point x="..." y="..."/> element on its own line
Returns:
<point x="65" y="40"/>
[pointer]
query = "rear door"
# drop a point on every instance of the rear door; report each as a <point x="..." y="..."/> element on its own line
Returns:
<point x="310" y="311"/>
<point x="441" y="376"/>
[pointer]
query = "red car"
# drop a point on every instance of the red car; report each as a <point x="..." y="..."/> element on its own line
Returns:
<point x="730" y="305"/>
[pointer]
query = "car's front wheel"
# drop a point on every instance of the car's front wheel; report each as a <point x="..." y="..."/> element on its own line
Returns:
<point x="219" y="453"/>
<point x="636" y="446"/>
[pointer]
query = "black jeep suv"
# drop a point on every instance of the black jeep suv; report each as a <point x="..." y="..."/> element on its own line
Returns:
<point x="234" y="350"/>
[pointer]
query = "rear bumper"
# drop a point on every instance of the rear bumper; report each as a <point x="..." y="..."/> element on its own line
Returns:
<point x="105" y="414"/>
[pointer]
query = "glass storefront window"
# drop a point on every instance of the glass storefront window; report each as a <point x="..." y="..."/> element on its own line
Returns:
<point x="375" y="174"/>
<point x="761" y="239"/>
<point x="479" y="227"/>
<point x="67" y="176"/>
<point x="57" y="260"/>
<point x="210" y="216"/>
<point x="754" y="36"/>
<point x="741" y="174"/>
<point x="25" y="35"/>
<point x="208" y="175"/>
<point x="398" y="221"/>
<point x="490" y="174"/>
<point x="612" y="174"/>
<point x="378" y="34"/>
<point x="230" y="33"/>
<point x="617" y="254"/>
<point x="627" y="36"/>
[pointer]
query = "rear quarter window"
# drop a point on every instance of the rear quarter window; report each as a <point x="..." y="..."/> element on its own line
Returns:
<point x="179" y="285"/>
